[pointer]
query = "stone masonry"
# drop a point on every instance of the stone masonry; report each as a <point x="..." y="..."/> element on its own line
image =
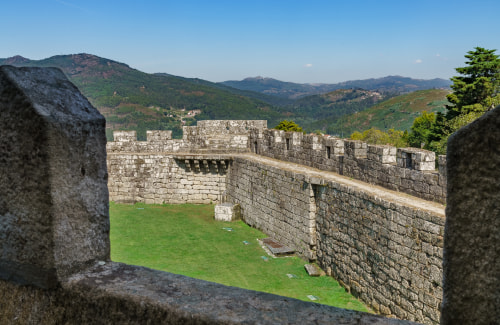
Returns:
<point x="276" y="201"/>
<point x="387" y="252"/>
<point x="472" y="233"/>
<point x="383" y="246"/>
<point x="54" y="197"/>
<point x="54" y="229"/>
<point x="165" y="178"/>
<point x="408" y="170"/>
<point x="166" y="170"/>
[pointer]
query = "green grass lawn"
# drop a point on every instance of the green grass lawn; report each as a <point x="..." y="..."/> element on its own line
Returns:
<point x="185" y="239"/>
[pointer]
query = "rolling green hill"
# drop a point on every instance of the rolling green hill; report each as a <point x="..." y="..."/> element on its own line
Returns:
<point x="306" y="111"/>
<point x="397" y="112"/>
<point x="270" y="99"/>
<point x="134" y="100"/>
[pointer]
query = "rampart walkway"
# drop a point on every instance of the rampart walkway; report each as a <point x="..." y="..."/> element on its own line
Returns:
<point x="386" y="194"/>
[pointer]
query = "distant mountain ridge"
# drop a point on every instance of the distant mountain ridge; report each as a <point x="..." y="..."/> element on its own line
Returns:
<point x="389" y="84"/>
<point x="134" y="100"/>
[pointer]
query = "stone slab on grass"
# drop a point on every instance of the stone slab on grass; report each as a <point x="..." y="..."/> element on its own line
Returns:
<point x="312" y="270"/>
<point x="277" y="248"/>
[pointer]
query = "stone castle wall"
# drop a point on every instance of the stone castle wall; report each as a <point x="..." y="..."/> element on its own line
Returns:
<point x="217" y="136"/>
<point x="173" y="179"/>
<point x="276" y="201"/>
<point x="165" y="170"/>
<point x="384" y="251"/>
<point x="408" y="170"/>
<point x="387" y="254"/>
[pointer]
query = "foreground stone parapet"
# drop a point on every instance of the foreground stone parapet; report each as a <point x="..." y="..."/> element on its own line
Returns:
<point x="54" y="197"/>
<point x="116" y="293"/>
<point x="471" y="258"/>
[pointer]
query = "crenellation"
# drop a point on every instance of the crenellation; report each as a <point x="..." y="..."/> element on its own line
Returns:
<point x="382" y="154"/>
<point x="124" y="136"/>
<point x="158" y="136"/>
<point x="370" y="163"/>
<point x="355" y="149"/>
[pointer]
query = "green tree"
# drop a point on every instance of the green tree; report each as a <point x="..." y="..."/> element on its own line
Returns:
<point x="421" y="130"/>
<point x="392" y="137"/>
<point x="478" y="86"/>
<point x="475" y="91"/>
<point x="288" y="126"/>
<point x="446" y="128"/>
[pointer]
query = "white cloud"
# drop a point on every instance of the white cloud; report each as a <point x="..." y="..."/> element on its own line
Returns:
<point x="418" y="61"/>
<point x="441" y="57"/>
<point x="308" y="65"/>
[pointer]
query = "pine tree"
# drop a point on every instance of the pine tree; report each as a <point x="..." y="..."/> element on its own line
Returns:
<point x="478" y="86"/>
<point x="475" y="91"/>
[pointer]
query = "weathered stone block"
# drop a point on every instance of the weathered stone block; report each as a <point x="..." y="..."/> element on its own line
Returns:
<point x="227" y="212"/>
<point x="355" y="149"/>
<point x="442" y="165"/>
<point x="414" y="158"/>
<point x="382" y="154"/>
<point x="125" y="136"/>
<point x="54" y="202"/>
<point x="157" y="135"/>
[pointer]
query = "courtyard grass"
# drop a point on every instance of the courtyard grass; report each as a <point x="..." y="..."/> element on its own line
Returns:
<point x="185" y="239"/>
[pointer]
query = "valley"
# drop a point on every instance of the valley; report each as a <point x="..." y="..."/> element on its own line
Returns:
<point x="134" y="100"/>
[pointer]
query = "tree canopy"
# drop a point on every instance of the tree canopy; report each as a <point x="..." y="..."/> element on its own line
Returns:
<point x="375" y="136"/>
<point x="475" y="90"/>
<point x="478" y="86"/>
<point x="421" y="129"/>
<point x="288" y="126"/>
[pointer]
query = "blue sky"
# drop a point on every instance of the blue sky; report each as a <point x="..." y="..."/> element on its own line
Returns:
<point x="313" y="41"/>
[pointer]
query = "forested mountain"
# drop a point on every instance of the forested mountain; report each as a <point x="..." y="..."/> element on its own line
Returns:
<point x="131" y="99"/>
<point x="134" y="100"/>
<point x="270" y="99"/>
<point x="389" y="84"/>
<point x="395" y="113"/>
<point x="307" y="111"/>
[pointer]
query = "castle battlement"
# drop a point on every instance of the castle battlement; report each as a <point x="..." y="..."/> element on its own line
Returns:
<point x="409" y="170"/>
<point x="217" y="136"/>
<point x="292" y="186"/>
